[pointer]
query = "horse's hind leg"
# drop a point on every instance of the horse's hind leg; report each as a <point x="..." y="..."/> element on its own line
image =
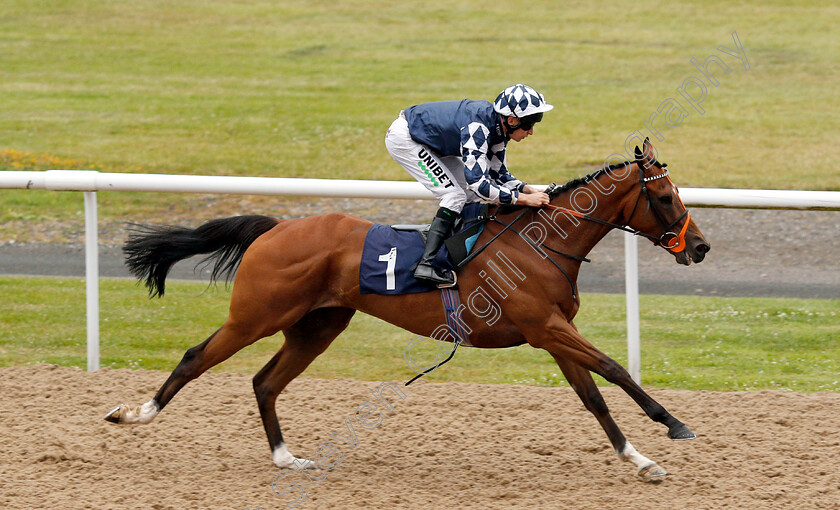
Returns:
<point x="582" y="382"/>
<point x="224" y="343"/>
<point x="307" y="339"/>
<point x="266" y="298"/>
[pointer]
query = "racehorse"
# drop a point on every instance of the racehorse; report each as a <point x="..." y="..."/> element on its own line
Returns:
<point x="301" y="276"/>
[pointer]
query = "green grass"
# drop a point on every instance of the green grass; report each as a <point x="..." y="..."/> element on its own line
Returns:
<point x="687" y="342"/>
<point x="307" y="89"/>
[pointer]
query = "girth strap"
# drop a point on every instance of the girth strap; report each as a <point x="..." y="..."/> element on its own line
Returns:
<point x="451" y="304"/>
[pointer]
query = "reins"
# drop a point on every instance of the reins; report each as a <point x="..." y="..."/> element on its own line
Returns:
<point x="477" y="251"/>
<point x="680" y="238"/>
<point x="509" y="226"/>
<point x="677" y="246"/>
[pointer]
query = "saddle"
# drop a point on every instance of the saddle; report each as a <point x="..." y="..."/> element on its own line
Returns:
<point x="391" y="252"/>
<point x="465" y="232"/>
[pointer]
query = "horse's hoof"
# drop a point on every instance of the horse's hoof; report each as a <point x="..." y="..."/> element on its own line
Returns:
<point x="302" y="464"/>
<point x="114" y="416"/>
<point x="297" y="464"/>
<point x="283" y="459"/>
<point x="681" y="433"/>
<point x="652" y="473"/>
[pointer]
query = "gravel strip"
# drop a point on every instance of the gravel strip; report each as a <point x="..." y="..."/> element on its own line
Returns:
<point x="754" y="252"/>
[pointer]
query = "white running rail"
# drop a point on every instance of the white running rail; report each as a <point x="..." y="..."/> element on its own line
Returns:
<point x="91" y="181"/>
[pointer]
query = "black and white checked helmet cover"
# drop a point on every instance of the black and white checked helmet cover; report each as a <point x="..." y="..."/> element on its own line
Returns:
<point x="520" y="101"/>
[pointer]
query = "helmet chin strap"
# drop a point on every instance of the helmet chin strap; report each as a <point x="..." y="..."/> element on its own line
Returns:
<point x="510" y="129"/>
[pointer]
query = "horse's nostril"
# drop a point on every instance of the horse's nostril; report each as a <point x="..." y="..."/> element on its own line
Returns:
<point x="702" y="248"/>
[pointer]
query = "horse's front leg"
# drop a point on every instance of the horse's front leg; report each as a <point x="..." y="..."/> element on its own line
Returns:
<point x="561" y="339"/>
<point x="581" y="381"/>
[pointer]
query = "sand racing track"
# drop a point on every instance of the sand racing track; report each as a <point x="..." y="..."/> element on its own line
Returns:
<point x="445" y="446"/>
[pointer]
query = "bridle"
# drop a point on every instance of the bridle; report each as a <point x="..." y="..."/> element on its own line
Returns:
<point x="676" y="247"/>
<point x="678" y="240"/>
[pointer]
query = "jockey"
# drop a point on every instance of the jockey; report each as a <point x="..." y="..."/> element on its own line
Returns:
<point x="457" y="150"/>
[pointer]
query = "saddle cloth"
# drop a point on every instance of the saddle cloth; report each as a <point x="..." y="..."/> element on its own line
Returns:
<point x="390" y="255"/>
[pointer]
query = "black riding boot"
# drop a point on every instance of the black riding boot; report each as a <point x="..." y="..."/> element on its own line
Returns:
<point x="439" y="230"/>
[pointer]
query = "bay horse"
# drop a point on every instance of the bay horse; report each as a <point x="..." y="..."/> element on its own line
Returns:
<point x="301" y="276"/>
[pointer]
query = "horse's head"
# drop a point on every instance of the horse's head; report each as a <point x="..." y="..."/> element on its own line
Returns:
<point x="660" y="214"/>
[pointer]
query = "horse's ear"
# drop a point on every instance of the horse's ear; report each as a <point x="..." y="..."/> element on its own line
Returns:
<point x="649" y="153"/>
<point x="638" y="153"/>
<point x="648" y="149"/>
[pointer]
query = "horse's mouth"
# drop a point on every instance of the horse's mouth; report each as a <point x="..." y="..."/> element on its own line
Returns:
<point x="694" y="252"/>
<point x="683" y="258"/>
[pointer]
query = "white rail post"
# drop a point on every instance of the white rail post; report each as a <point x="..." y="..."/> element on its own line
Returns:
<point x="92" y="280"/>
<point x="631" y="278"/>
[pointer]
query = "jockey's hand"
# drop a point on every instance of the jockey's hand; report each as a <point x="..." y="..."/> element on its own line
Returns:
<point x="530" y="189"/>
<point x="537" y="199"/>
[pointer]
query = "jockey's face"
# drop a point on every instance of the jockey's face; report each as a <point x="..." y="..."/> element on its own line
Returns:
<point x="517" y="135"/>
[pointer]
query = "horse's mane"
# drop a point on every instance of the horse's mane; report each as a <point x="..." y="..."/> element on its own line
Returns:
<point x="580" y="181"/>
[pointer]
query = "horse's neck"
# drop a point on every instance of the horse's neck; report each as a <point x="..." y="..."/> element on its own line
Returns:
<point x="601" y="198"/>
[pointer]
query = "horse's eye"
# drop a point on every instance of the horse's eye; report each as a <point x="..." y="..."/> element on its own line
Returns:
<point x="667" y="200"/>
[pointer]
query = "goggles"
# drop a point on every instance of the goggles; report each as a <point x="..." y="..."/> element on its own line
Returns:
<point x="527" y="123"/>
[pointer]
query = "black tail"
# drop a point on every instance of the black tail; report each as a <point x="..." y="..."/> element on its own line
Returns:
<point x="151" y="251"/>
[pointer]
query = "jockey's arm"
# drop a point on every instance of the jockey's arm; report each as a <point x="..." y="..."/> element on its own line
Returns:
<point x="526" y="194"/>
<point x="478" y="166"/>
